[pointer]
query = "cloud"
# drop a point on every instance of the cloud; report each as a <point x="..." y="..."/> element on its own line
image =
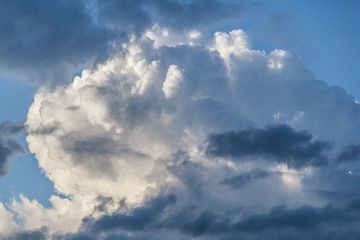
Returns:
<point x="279" y="217"/>
<point x="190" y="14"/>
<point x="126" y="16"/>
<point x="241" y="180"/>
<point x="52" y="41"/>
<point x="162" y="218"/>
<point x="7" y="223"/>
<point x="154" y="216"/>
<point x="147" y="123"/>
<point x="279" y="143"/>
<point x="138" y="219"/>
<point x="9" y="146"/>
<point x="30" y="235"/>
<point x="350" y="153"/>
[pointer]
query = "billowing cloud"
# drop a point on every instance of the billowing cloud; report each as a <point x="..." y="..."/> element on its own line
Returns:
<point x="163" y="129"/>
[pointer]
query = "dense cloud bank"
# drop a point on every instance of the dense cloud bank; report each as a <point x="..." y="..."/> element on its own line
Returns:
<point x="178" y="136"/>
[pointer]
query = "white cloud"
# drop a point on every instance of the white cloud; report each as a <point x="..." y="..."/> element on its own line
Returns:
<point x="172" y="83"/>
<point x="7" y="223"/>
<point x="235" y="43"/>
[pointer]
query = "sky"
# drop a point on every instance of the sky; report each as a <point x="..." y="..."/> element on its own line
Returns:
<point x="179" y="119"/>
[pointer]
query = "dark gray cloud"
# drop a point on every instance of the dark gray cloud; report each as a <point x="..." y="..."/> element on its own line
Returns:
<point x="354" y="205"/>
<point x="302" y="218"/>
<point x="47" y="38"/>
<point x="334" y="183"/>
<point x="188" y="14"/>
<point x="144" y="220"/>
<point x="163" y="218"/>
<point x="242" y="180"/>
<point x="95" y="152"/>
<point x="135" y="16"/>
<point x="129" y="16"/>
<point x="9" y="146"/>
<point x="104" y="202"/>
<point x="44" y="129"/>
<point x="137" y="220"/>
<point x="349" y="153"/>
<point x="10" y="128"/>
<point x="279" y="143"/>
<point x="40" y="234"/>
<point x="190" y="173"/>
<point x="93" y="145"/>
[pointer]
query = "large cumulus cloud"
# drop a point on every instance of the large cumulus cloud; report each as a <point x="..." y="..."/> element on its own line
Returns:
<point x="180" y="132"/>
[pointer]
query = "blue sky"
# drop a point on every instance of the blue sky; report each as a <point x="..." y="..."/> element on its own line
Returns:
<point x="24" y="176"/>
<point x="174" y="114"/>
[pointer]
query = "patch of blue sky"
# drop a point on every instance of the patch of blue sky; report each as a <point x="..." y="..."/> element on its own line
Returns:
<point x="15" y="99"/>
<point x="24" y="175"/>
